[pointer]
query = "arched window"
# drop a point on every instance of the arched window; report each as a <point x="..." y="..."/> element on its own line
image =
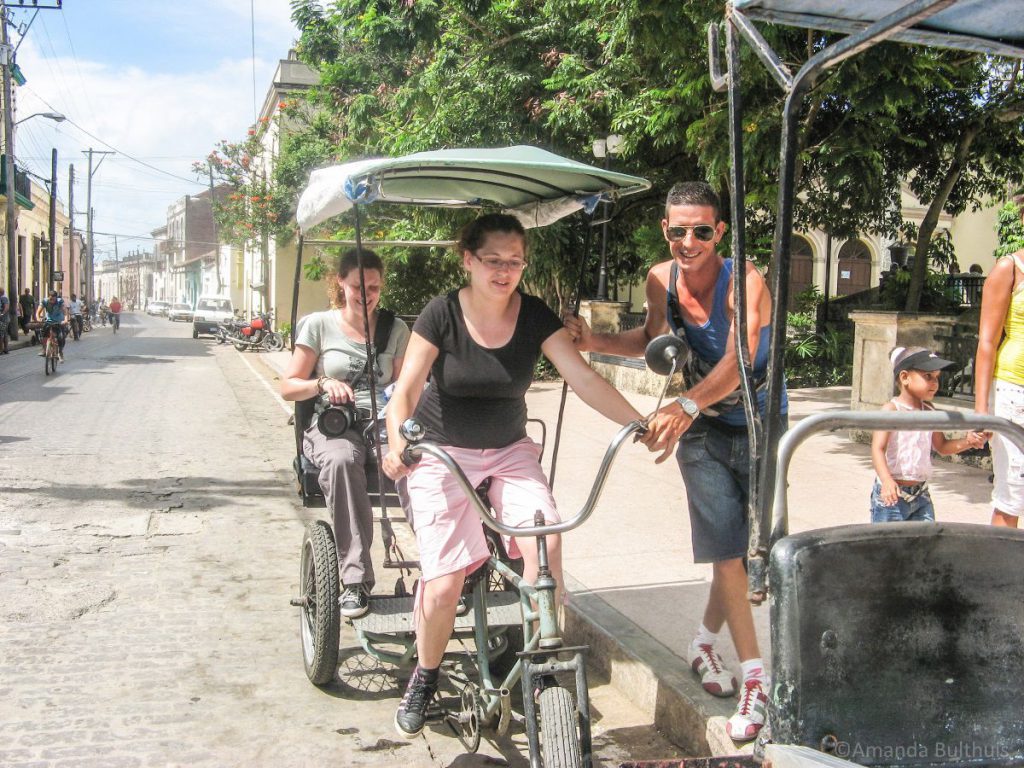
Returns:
<point x="854" y="268"/>
<point x="801" y="267"/>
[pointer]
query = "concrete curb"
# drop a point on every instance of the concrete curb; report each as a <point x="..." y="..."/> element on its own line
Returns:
<point x="652" y="677"/>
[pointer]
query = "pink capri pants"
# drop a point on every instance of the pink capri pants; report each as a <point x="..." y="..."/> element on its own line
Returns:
<point x="448" y="530"/>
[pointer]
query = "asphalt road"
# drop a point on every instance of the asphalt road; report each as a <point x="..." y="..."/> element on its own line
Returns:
<point x="149" y="544"/>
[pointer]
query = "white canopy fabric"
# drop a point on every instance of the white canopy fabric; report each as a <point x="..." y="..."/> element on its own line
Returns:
<point x="537" y="186"/>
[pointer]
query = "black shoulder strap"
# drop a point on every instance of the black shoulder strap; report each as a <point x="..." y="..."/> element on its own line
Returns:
<point x="382" y="333"/>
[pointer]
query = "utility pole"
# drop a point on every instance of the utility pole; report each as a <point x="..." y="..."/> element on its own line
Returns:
<point x="71" y="232"/>
<point x="117" y="267"/>
<point x="88" y="204"/>
<point x="53" y="218"/>
<point x="7" y="61"/>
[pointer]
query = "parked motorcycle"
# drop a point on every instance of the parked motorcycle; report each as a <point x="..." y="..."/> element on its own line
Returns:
<point x="256" y="334"/>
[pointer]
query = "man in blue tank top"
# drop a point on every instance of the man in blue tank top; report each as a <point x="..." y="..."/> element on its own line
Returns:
<point x="691" y="295"/>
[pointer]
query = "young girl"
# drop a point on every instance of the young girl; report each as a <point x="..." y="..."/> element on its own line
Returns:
<point x="903" y="460"/>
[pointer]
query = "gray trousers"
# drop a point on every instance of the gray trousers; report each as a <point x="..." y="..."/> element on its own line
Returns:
<point x="342" y="465"/>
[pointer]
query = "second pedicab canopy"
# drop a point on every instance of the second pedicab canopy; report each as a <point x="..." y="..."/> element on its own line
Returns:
<point x="986" y="26"/>
<point x="536" y="186"/>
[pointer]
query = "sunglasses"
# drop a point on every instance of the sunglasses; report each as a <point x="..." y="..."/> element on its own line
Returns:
<point x="703" y="232"/>
<point x="493" y="262"/>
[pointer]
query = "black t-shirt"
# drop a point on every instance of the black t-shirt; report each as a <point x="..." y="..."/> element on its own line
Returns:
<point x="477" y="395"/>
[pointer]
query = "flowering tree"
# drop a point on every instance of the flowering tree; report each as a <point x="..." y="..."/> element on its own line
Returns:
<point x="251" y="213"/>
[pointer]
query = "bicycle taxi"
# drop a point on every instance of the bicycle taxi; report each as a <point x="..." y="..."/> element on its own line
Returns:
<point x="511" y="625"/>
<point x="894" y="645"/>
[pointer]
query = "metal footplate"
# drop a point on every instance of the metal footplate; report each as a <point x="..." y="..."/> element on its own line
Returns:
<point x="390" y="614"/>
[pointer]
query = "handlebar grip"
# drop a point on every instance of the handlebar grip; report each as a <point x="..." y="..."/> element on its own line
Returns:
<point x="408" y="458"/>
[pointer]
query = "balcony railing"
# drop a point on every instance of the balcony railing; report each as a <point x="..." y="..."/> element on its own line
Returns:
<point x="22" y="185"/>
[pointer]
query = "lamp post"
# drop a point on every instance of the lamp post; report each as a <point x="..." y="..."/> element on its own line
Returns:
<point x="603" y="149"/>
<point x="9" y="173"/>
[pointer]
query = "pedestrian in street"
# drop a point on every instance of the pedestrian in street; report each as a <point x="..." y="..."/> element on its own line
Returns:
<point x="5" y="319"/>
<point x="27" y="303"/>
<point x="1000" y="361"/>
<point x="75" y="307"/>
<point x="480" y="346"/>
<point x="330" y="359"/>
<point x="691" y="296"/>
<point x="903" y="459"/>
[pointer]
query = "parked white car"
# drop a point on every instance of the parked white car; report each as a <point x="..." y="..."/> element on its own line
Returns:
<point x="180" y="311"/>
<point x="157" y="308"/>
<point x="209" y="312"/>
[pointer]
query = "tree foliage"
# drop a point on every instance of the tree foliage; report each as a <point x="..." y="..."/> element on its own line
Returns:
<point x="399" y="76"/>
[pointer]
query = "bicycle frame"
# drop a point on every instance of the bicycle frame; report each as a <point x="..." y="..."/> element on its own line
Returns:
<point x="537" y="603"/>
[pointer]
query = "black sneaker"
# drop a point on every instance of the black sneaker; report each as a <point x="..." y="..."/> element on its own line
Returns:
<point x="412" y="712"/>
<point x="355" y="601"/>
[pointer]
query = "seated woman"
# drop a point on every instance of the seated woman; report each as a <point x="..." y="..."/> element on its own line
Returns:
<point x="480" y="344"/>
<point x="330" y="359"/>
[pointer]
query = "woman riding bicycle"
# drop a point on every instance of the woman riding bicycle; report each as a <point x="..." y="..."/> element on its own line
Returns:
<point x="480" y="345"/>
<point x="330" y="359"/>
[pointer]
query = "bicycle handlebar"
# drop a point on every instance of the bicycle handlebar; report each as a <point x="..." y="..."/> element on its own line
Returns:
<point x="411" y="430"/>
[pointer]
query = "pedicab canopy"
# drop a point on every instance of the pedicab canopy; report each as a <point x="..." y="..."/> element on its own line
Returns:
<point x="536" y="186"/>
<point x="985" y="26"/>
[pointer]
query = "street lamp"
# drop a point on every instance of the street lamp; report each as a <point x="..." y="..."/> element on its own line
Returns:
<point x="603" y="149"/>
<point x="12" y="209"/>
<point x="57" y="117"/>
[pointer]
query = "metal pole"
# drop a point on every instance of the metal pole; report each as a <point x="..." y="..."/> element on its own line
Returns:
<point x="71" y="236"/>
<point x="602" y="273"/>
<point x="117" y="268"/>
<point x="53" y="220"/>
<point x="7" y="56"/>
<point x="90" y="263"/>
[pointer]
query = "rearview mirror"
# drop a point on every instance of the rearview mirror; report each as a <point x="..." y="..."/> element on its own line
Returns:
<point x="662" y="351"/>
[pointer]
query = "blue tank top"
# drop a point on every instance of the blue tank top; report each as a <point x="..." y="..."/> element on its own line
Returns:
<point x="708" y="341"/>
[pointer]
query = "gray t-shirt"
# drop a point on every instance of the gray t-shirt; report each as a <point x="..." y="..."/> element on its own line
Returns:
<point x="344" y="359"/>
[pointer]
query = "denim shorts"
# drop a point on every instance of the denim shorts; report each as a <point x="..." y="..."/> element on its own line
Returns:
<point x="914" y="503"/>
<point x="1007" y="460"/>
<point x="715" y="465"/>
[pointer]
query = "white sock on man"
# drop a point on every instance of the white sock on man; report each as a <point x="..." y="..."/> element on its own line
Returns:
<point x="752" y="669"/>
<point x="705" y="636"/>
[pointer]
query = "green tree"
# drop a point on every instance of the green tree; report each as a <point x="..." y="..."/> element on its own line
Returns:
<point x="1010" y="228"/>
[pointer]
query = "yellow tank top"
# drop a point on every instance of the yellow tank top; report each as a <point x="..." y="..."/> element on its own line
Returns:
<point x="1010" y="357"/>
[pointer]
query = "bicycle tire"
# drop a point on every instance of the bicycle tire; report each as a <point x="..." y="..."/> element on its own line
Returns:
<point x="320" y="617"/>
<point x="559" y="739"/>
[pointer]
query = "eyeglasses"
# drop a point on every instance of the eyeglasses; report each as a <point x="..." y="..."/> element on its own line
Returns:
<point x="494" y="263"/>
<point x="703" y="232"/>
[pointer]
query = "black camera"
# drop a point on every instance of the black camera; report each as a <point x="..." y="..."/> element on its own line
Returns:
<point x="333" y="420"/>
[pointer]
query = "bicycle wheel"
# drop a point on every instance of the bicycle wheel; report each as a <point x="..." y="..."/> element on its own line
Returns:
<point x="274" y="342"/>
<point x="559" y="740"/>
<point x="46" y="357"/>
<point x="320" y="619"/>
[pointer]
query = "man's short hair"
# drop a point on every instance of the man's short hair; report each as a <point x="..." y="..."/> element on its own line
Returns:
<point x="694" y="193"/>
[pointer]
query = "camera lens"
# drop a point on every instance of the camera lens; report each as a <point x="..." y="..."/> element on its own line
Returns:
<point x="334" y="422"/>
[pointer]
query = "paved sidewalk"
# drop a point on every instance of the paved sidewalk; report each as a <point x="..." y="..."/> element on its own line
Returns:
<point x="637" y="597"/>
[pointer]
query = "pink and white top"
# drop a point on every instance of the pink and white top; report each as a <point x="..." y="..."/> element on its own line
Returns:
<point x="909" y="454"/>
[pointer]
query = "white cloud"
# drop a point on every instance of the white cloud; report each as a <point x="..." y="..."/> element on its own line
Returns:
<point x="167" y="119"/>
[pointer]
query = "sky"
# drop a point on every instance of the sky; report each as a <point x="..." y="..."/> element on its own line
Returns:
<point x="157" y="82"/>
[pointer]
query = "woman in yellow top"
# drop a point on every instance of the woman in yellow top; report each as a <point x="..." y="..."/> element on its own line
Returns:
<point x="1001" y="358"/>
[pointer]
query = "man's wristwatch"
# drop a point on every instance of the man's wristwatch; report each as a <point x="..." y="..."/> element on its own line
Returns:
<point x="689" y="407"/>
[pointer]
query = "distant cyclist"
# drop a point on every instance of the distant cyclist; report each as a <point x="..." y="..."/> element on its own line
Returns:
<point x="75" y="307"/>
<point x="54" y="318"/>
<point x="115" y="313"/>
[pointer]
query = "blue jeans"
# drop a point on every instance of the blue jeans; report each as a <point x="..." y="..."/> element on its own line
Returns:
<point x="715" y="463"/>
<point x="914" y="503"/>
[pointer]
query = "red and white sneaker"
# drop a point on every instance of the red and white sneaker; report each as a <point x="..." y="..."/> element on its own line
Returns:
<point x="714" y="677"/>
<point x="751" y="712"/>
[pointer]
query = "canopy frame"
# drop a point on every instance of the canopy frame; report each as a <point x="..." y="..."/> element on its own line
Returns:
<point x="900" y="25"/>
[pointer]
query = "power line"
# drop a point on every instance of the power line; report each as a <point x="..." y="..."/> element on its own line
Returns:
<point x="115" y="149"/>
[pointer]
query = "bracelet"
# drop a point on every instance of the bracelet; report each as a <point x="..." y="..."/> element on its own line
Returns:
<point x="320" y="384"/>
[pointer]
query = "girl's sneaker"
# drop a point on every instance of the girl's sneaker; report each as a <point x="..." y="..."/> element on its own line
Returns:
<point x="751" y="712"/>
<point x="714" y="677"/>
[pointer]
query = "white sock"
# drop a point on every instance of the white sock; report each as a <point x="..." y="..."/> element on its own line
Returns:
<point x="705" y="636"/>
<point x="752" y="669"/>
